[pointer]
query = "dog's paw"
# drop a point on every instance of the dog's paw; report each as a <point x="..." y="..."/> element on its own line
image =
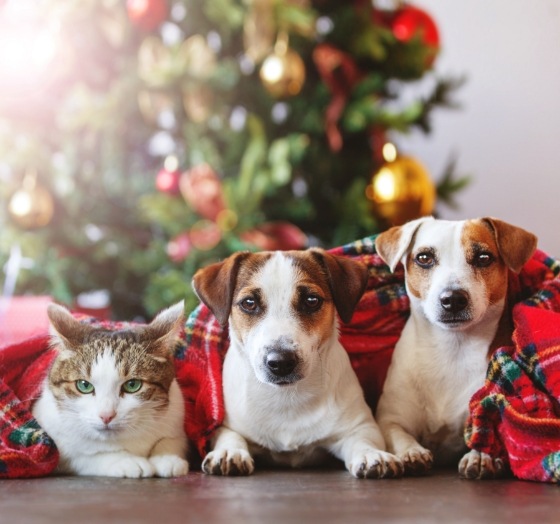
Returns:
<point x="169" y="466"/>
<point x="375" y="464"/>
<point x="417" y="461"/>
<point x="228" y="462"/>
<point x="476" y="465"/>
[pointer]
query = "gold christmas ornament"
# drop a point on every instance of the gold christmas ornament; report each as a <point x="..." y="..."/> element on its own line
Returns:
<point x="283" y="72"/>
<point x="401" y="190"/>
<point x="32" y="206"/>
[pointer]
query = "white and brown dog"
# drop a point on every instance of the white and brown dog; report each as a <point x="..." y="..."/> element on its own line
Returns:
<point x="291" y="396"/>
<point x="456" y="275"/>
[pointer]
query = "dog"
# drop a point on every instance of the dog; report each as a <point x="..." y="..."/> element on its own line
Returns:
<point x="291" y="396"/>
<point x="456" y="276"/>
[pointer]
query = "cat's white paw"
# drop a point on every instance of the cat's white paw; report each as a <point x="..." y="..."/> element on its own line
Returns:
<point x="131" y="467"/>
<point x="228" y="462"/>
<point x="169" y="466"/>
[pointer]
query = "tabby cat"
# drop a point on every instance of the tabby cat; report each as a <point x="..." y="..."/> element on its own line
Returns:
<point x="111" y="401"/>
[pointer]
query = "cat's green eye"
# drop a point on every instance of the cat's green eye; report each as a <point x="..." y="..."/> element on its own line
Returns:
<point x="132" y="386"/>
<point x="85" y="387"/>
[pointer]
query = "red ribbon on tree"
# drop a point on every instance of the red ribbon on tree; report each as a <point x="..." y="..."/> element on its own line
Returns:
<point x="340" y="73"/>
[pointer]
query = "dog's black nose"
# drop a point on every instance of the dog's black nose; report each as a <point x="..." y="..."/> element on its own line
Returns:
<point x="281" y="363"/>
<point x="454" y="300"/>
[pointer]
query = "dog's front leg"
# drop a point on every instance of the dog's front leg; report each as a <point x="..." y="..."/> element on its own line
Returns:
<point x="417" y="459"/>
<point x="229" y="455"/>
<point x="363" y="457"/>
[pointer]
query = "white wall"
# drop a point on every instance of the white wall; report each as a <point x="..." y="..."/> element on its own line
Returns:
<point x="507" y="134"/>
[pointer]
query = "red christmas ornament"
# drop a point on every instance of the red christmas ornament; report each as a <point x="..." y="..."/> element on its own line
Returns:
<point x="179" y="247"/>
<point x="202" y="190"/>
<point x="276" y="235"/>
<point x="147" y="14"/>
<point x="168" y="181"/>
<point x="410" y="21"/>
<point x="205" y="235"/>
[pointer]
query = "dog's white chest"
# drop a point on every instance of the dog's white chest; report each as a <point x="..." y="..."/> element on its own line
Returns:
<point x="282" y="428"/>
<point x="440" y="380"/>
<point x="445" y="412"/>
<point x="447" y="405"/>
<point x="290" y="426"/>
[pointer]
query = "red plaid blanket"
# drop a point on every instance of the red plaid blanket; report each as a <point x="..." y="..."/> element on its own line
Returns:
<point x="516" y="414"/>
<point x="26" y="451"/>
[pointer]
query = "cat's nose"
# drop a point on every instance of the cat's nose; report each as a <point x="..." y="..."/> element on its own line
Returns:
<point x="107" y="417"/>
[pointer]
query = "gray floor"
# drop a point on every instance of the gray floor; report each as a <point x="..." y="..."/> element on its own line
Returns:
<point x="324" y="496"/>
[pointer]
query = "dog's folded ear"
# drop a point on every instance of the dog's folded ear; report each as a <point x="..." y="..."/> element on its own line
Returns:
<point x="215" y="285"/>
<point x="347" y="280"/>
<point x="392" y="245"/>
<point x="516" y="246"/>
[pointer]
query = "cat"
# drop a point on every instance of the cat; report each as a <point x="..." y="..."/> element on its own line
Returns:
<point x="111" y="402"/>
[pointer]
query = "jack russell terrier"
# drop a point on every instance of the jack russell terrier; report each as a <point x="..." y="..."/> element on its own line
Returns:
<point x="291" y="396"/>
<point x="456" y="276"/>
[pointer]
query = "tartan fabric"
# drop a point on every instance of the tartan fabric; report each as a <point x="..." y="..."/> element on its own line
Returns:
<point x="516" y="414"/>
<point x="378" y="320"/>
<point x="25" y="449"/>
<point x="369" y="338"/>
<point x="198" y="361"/>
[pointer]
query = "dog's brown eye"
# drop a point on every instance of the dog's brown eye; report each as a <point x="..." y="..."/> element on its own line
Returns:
<point x="425" y="260"/>
<point x="312" y="302"/>
<point x="249" y="305"/>
<point x="483" y="259"/>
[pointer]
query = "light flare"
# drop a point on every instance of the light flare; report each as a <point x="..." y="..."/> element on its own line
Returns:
<point x="28" y="49"/>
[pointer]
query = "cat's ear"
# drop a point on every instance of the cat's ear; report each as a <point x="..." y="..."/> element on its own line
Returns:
<point x="164" y="330"/>
<point x="67" y="333"/>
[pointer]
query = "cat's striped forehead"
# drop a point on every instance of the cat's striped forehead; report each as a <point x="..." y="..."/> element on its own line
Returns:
<point x="131" y="355"/>
<point x="123" y="345"/>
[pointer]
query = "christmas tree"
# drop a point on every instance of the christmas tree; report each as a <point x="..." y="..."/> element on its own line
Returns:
<point x="141" y="140"/>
